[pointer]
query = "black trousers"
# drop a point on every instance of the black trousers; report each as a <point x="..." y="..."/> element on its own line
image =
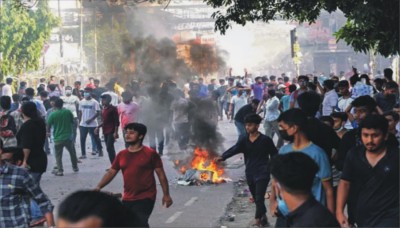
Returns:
<point x="258" y="188"/>
<point x="139" y="211"/>
<point x="109" y="141"/>
<point x="182" y="131"/>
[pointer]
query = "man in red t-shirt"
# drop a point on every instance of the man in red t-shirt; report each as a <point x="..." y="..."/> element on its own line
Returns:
<point x="138" y="163"/>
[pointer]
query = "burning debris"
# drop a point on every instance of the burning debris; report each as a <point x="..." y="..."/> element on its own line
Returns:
<point x="200" y="169"/>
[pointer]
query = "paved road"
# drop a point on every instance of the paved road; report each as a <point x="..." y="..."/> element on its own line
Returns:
<point x="194" y="206"/>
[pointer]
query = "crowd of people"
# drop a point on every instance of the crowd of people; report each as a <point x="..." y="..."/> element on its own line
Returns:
<point x="347" y="127"/>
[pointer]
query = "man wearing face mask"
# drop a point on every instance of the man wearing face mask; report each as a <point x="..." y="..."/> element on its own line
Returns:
<point x="387" y="100"/>
<point x="303" y="83"/>
<point x="89" y="109"/>
<point x="370" y="179"/>
<point x="71" y="102"/>
<point x="293" y="124"/>
<point x="292" y="179"/>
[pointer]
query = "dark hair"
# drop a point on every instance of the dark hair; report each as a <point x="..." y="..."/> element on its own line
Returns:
<point x="312" y="86"/>
<point x="255" y="101"/>
<point x="391" y="85"/>
<point x="140" y="128"/>
<point x="295" y="172"/>
<point x="365" y="101"/>
<point x="393" y="114"/>
<point x="285" y="78"/>
<point x="340" y="115"/>
<point x="1" y="144"/>
<point x="388" y="74"/>
<point x="379" y="81"/>
<point x="15" y="97"/>
<point x="329" y="84"/>
<point x="367" y="80"/>
<point x="44" y="94"/>
<point x="354" y="79"/>
<point x="309" y="102"/>
<point x="96" y="81"/>
<point x="30" y="92"/>
<point x="5" y="102"/>
<point x="9" y="80"/>
<point x="343" y="83"/>
<point x="126" y="94"/>
<point x="52" y="87"/>
<point x="305" y="78"/>
<point x="271" y="92"/>
<point x="272" y="77"/>
<point x="221" y="80"/>
<point x="22" y="84"/>
<point x="327" y="119"/>
<point x="378" y="122"/>
<point x="292" y="88"/>
<point x="82" y="204"/>
<point x="29" y="109"/>
<point x="296" y="117"/>
<point x="252" y="118"/>
<point x="62" y="81"/>
<point x="17" y="153"/>
<point x="91" y="78"/>
<point x="88" y="89"/>
<point x="58" y="102"/>
<point x="106" y="97"/>
<point x="40" y="89"/>
<point x="77" y="83"/>
<point x="256" y="78"/>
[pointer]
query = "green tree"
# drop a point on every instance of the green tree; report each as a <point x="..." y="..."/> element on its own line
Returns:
<point x="23" y="34"/>
<point x="372" y="25"/>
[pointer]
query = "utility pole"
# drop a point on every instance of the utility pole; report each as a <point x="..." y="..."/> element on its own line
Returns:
<point x="61" y="39"/>
<point x="95" y="40"/>
<point x="81" y="36"/>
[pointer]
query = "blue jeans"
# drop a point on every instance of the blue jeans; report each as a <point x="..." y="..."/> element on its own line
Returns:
<point x="36" y="213"/>
<point x="84" y="132"/>
<point x="241" y="130"/>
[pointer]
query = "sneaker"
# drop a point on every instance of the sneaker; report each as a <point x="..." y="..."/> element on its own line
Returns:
<point x="59" y="174"/>
<point x="82" y="157"/>
<point x="54" y="171"/>
<point x="76" y="169"/>
<point x="94" y="153"/>
<point x="100" y="153"/>
<point x="38" y="222"/>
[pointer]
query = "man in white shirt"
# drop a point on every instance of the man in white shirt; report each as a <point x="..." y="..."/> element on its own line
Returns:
<point x="7" y="90"/>
<point x="237" y="102"/>
<point x="71" y="102"/>
<point x="330" y="98"/>
<point x="89" y="109"/>
<point x="272" y="113"/>
<point x="345" y="100"/>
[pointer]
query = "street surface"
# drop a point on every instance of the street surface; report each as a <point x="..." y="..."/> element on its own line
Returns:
<point x="194" y="206"/>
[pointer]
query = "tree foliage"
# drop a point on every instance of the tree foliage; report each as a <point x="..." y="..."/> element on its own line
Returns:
<point x="23" y="34"/>
<point x="372" y="24"/>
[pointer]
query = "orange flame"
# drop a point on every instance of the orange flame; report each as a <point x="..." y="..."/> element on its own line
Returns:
<point x="202" y="162"/>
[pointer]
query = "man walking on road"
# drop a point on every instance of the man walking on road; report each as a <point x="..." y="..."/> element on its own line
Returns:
<point x="258" y="150"/>
<point x="89" y="109"/>
<point x="370" y="180"/>
<point x="62" y="120"/>
<point x="110" y="125"/>
<point x="138" y="164"/>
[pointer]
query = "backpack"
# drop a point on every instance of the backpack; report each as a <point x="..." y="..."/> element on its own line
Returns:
<point x="8" y="128"/>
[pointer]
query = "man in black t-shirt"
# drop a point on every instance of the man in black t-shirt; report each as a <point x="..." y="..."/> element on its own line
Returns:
<point x="387" y="100"/>
<point x="370" y="179"/>
<point x="257" y="149"/>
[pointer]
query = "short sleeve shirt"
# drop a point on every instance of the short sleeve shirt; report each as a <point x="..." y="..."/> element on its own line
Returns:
<point x="70" y="103"/>
<point x="138" y="173"/>
<point x="128" y="113"/>
<point x="62" y="121"/>
<point x="88" y="109"/>
<point x="324" y="173"/>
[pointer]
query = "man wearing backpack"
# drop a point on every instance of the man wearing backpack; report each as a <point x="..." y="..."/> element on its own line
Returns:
<point x="8" y="127"/>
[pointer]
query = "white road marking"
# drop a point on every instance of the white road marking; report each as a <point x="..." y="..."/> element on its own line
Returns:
<point x="191" y="201"/>
<point x="174" y="217"/>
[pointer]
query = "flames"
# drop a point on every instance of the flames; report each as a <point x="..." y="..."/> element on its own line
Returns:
<point x="204" y="163"/>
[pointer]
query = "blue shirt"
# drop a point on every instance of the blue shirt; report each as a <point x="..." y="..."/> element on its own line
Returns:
<point x="324" y="173"/>
<point x="285" y="100"/>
